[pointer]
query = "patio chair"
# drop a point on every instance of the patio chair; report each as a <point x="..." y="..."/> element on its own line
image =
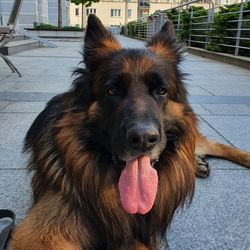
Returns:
<point x="7" y="33"/>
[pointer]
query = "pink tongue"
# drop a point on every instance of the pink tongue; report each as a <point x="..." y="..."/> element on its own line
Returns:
<point x="138" y="185"/>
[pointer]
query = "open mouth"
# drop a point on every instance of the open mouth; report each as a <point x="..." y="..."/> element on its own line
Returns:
<point x="138" y="185"/>
<point x="118" y="162"/>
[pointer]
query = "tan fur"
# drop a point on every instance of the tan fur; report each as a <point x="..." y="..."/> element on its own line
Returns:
<point x="108" y="46"/>
<point x="161" y="50"/>
<point x="174" y="109"/>
<point x="111" y="44"/>
<point x="205" y="147"/>
<point x="142" y="64"/>
<point x="41" y="229"/>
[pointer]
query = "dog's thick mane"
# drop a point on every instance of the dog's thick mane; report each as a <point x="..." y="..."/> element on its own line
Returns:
<point x="86" y="180"/>
<point x="68" y="159"/>
<point x="73" y="156"/>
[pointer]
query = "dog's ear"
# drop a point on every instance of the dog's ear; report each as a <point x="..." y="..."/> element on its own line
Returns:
<point x="98" y="41"/>
<point x="166" y="33"/>
<point x="165" y="44"/>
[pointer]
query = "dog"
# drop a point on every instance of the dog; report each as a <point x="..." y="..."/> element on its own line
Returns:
<point x="116" y="155"/>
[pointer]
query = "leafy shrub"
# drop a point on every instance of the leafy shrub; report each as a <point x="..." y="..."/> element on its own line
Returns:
<point x="132" y="28"/>
<point x="53" y="27"/>
<point x="224" y="29"/>
<point x="185" y="21"/>
<point x="220" y="36"/>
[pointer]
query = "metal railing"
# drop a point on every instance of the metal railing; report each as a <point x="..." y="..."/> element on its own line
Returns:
<point x="209" y="28"/>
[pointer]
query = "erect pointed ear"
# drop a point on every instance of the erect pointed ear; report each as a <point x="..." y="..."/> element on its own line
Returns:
<point x="164" y="43"/>
<point x="98" y="41"/>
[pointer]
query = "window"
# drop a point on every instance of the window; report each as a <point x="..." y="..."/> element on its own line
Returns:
<point x="90" y="11"/>
<point x="115" y="13"/>
<point x="143" y="13"/>
<point x="129" y="13"/>
<point x="77" y="12"/>
<point x="144" y="3"/>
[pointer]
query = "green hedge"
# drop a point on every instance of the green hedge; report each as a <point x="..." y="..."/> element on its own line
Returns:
<point x="53" y="27"/>
<point x="217" y="34"/>
<point x="137" y="28"/>
<point x="185" y="21"/>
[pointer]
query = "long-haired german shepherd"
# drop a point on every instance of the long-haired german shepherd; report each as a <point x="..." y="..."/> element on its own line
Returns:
<point x="117" y="154"/>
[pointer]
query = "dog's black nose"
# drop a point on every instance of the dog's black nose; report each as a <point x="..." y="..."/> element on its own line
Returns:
<point x="142" y="137"/>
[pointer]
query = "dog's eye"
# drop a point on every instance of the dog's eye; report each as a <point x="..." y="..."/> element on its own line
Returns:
<point x="112" y="91"/>
<point x="161" y="91"/>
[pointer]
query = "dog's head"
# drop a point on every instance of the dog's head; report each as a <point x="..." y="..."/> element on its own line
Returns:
<point x="134" y="92"/>
<point x="132" y="87"/>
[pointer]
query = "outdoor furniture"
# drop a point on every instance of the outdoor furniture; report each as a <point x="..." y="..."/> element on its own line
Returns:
<point x="7" y="33"/>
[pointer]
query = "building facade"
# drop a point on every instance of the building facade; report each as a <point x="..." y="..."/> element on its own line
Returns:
<point x="34" y="11"/>
<point x="53" y="12"/>
<point x="114" y="13"/>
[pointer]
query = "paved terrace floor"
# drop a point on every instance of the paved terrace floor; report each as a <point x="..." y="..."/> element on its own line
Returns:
<point x="219" y="216"/>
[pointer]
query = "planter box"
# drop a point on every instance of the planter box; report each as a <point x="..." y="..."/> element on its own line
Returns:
<point x="56" y="34"/>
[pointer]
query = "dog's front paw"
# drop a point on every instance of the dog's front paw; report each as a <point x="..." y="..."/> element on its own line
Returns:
<point x="202" y="168"/>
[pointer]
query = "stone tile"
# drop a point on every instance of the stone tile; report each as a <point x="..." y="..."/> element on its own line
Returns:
<point x="127" y="42"/>
<point x="211" y="73"/>
<point x="221" y="164"/>
<point x="15" y="191"/>
<point x="215" y="163"/>
<point x="13" y="128"/>
<point x="63" y="49"/>
<point x="27" y="96"/>
<point x="228" y="109"/>
<point x="196" y="90"/>
<point x="212" y="99"/>
<point x="48" y="79"/>
<point x="57" y="87"/>
<point x="229" y="88"/>
<point x="5" y="71"/>
<point x="235" y="128"/>
<point x="200" y="110"/>
<point x="212" y="134"/>
<point x="218" y="217"/>
<point x="24" y="107"/>
<point x="209" y="67"/>
<point x="7" y="83"/>
<point x="3" y="105"/>
<point x="209" y="132"/>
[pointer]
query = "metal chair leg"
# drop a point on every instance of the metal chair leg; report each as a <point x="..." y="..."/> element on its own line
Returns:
<point x="11" y="65"/>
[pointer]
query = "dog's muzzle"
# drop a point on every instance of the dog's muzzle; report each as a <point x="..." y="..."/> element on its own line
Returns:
<point x="142" y="137"/>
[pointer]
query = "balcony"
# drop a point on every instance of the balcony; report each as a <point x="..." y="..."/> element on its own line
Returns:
<point x="143" y="5"/>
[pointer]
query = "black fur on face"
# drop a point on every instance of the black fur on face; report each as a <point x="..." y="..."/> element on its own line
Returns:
<point x="130" y="89"/>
